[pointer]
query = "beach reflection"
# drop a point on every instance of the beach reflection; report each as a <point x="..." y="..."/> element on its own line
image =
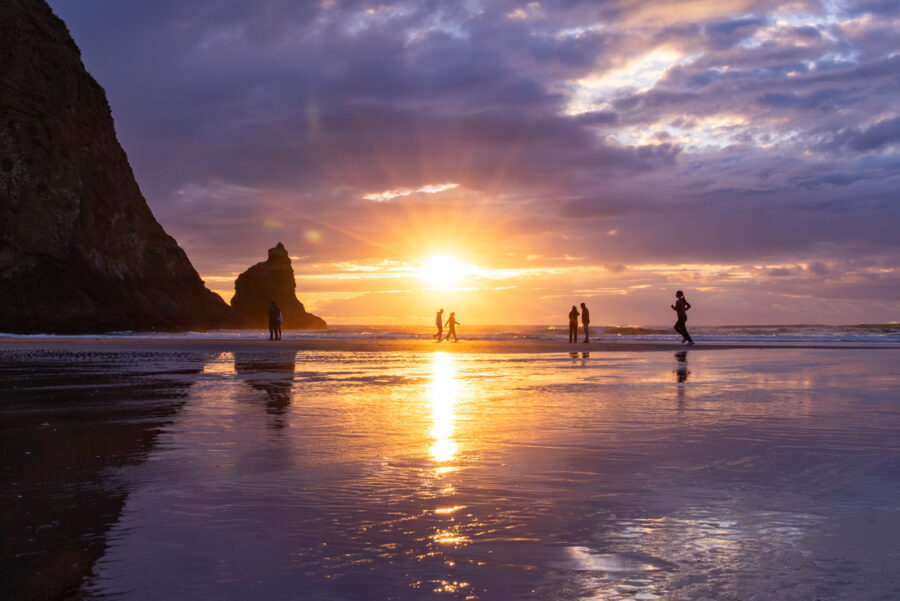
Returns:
<point x="681" y="376"/>
<point x="68" y="423"/>
<point x="426" y="475"/>
<point x="442" y="394"/>
<point x="584" y="355"/>
<point x="444" y="391"/>
<point x="681" y="372"/>
<point x="272" y="374"/>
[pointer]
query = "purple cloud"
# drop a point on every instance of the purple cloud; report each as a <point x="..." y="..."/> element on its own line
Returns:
<point x="765" y="133"/>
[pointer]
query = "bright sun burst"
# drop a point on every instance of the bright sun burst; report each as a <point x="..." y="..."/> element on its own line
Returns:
<point x="444" y="271"/>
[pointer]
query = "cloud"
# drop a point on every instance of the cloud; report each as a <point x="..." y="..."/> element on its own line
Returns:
<point x="875" y="137"/>
<point x="740" y="131"/>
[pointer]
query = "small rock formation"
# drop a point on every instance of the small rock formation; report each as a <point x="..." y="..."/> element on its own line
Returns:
<point x="80" y="250"/>
<point x="272" y="279"/>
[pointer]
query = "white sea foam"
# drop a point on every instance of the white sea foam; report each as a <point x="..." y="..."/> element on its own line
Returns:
<point x="884" y="333"/>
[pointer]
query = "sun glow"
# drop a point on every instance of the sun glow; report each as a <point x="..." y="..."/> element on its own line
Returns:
<point x="445" y="271"/>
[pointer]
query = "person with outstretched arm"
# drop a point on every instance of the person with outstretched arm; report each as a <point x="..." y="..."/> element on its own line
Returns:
<point x="681" y="307"/>
<point x="452" y="323"/>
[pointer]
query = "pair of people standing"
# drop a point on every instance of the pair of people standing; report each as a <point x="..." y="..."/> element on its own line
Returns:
<point x="451" y="323"/>
<point x="573" y="323"/>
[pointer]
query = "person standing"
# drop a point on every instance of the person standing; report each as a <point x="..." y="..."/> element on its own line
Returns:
<point x="681" y="307"/>
<point x="452" y="323"/>
<point x="586" y="322"/>
<point x="274" y="322"/>
<point x="573" y="325"/>
<point x="439" y="322"/>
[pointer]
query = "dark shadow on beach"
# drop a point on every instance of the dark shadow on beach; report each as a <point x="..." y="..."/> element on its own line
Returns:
<point x="69" y="420"/>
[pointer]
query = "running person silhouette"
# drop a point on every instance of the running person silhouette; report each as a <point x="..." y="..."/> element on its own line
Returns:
<point x="681" y="307"/>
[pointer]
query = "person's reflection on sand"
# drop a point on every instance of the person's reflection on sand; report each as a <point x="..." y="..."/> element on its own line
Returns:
<point x="681" y="375"/>
<point x="681" y="372"/>
<point x="272" y="373"/>
<point x="584" y="355"/>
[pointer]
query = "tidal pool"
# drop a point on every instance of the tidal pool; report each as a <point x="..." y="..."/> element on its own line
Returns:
<point x="729" y="474"/>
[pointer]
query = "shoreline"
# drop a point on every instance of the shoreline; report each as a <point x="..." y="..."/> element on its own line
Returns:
<point x="83" y="343"/>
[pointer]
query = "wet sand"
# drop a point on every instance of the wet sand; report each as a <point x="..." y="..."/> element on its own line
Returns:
<point x="69" y="421"/>
<point x="392" y="346"/>
<point x="237" y="469"/>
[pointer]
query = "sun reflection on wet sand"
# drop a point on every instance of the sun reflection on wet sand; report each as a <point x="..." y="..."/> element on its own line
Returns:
<point x="442" y="394"/>
<point x="221" y="364"/>
<point x="444" y="391"/>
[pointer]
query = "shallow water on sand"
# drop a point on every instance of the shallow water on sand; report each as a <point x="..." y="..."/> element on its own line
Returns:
<point x="745" y="474"/>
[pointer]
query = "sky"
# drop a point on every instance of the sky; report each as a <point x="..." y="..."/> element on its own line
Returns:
<point x="548" y="153"/>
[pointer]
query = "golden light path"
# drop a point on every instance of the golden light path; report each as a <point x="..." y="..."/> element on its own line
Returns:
<point x="443" y="394"/>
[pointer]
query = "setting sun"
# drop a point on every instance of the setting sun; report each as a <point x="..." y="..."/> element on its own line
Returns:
<point x="444" y="271"/>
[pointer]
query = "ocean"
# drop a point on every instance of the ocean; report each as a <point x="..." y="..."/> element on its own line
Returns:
<point x="862" y="333"/>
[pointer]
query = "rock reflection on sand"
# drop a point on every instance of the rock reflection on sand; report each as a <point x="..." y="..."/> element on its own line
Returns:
<point x="71" y="426"/>
<point x="322" y="475"/>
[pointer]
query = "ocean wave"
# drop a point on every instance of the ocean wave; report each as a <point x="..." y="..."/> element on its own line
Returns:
<point x="868" y="333"/>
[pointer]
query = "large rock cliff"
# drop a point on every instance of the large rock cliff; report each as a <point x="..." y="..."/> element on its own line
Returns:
<point x="272" y="279"/>
<point x="80" y="250"/>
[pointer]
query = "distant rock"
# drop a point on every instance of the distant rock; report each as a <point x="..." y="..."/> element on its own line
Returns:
<point x="272" y="279"/>
<point x="80" y="250"/>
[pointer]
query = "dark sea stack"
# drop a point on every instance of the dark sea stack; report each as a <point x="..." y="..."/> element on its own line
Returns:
<point x="273" y="279"/>
<point x="80" y="250"/>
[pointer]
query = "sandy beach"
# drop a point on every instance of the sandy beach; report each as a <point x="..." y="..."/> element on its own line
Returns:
<point x="234" y="469"/>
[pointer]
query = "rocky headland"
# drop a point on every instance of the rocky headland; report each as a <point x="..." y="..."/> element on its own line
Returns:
<point x="80" y="250"/>
<point x="272" y="279"/>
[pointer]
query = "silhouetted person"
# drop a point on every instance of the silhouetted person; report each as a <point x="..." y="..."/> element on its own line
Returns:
<point x="452" y="323"/>
<point x="439" y="322"/>
<point x="274" y="322"/>
<point x="573" y="325"/>
<point x="681" y="307"/>
<point x="586" y="322"/>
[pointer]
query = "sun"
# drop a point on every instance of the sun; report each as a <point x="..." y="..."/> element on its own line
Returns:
<point x="444" y="271"/>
